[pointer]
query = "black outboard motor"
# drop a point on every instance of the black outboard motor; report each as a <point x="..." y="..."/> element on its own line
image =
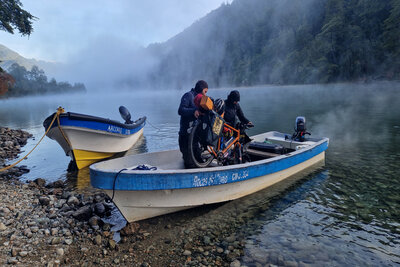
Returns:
<point x="300" y="129"/>
<point x="125" y="114"/>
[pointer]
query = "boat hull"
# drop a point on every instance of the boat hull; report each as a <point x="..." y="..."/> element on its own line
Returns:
<point x="144" y="194"/>
<point x="139" y="205"/>
<point x="90" y="141"/>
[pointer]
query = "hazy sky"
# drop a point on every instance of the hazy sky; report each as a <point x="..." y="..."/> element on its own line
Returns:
<point x="65" y="28"/>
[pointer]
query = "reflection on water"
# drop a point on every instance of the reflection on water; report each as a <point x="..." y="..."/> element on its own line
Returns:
<point x="296" y="228"/>
<point x="345" y="215"/>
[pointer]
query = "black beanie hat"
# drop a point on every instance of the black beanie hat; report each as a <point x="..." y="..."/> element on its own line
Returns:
<point x="234" y="96"/>
<point x="200" y="85"/>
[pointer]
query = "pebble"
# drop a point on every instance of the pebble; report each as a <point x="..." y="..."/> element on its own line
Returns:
<point x="44" y="201"/>
<point x="60" y="251"/>
<point x="187" y="253"/>
<point x="98" y="240"/>
<point x="72" y="200"/>
<point x="2" y="227"/>
<point x="23" y="253"/>
<point x="235" y="263"/>
<point x="111" y="244"/>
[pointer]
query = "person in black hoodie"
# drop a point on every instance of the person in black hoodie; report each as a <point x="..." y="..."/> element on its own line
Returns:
<point x="189" y="113"/>
<point x="233" y="110"/>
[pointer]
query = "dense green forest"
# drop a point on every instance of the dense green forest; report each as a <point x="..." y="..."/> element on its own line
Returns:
<point x="35" y="82"/>
<point x="252" y="42"/>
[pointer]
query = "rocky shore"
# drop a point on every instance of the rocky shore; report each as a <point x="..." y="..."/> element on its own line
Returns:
<point x="53" y="225"/>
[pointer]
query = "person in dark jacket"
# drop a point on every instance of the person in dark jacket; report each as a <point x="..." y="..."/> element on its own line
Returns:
<point x="233" y="110"/>
<point x="189" y="113"/>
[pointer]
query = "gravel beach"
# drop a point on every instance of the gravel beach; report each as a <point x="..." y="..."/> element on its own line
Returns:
<point x="52" y="225"/>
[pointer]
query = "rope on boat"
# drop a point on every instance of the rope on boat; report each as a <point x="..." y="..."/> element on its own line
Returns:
<point x="56" y="116"/>
<point x="142" y="167"/>
<point x="115" y="179"/>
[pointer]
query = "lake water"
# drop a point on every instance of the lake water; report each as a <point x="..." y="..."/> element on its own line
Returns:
<point x="346" y="213"/>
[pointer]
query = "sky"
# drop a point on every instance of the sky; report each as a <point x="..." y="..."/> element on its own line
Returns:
<point x="66" y="28"/>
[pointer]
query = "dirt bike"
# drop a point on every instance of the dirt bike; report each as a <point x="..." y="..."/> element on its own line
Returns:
<point x="226" y="144"/>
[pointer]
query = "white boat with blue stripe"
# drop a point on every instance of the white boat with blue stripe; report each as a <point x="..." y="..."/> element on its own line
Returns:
<point x="88" y="139"/>
<point x="165" y="186"/>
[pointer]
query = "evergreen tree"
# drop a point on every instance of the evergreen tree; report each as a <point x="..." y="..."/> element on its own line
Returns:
<point x="12" y="17"/>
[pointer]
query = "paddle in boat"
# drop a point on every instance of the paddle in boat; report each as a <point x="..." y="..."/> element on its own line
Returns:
<point x="88" y="139"/>
<point x="152" y="184"/>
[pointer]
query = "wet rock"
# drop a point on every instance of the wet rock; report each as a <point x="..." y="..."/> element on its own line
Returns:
<point x="235" y="263"/>
<point x="44" y="201"/>
<point x="40" y="182"/>
<point x="99" y="209"/>
<point x="290" y="264"/>
<point x="24" y="169"/>
<point x="83" y="214"/>
<point x="94" y="221"/>
<point x="129" y="229"/>
<point x="72" y="200"/>
<point x="56" y="184"/>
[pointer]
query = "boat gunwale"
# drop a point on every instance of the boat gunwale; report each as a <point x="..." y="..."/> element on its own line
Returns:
<point x="150" y="180"/>
<point x="208" y="169"/>
<point x="97" y="131"/>
<point x="71" y="116"/>
<point x="84" y="117"/>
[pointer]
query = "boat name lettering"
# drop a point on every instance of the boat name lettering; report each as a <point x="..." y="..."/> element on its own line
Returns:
<point x="211" y="180"/>
<point x="114" y="129"/>
<point x="240" y="176"/>
<point x="217" y="178"/>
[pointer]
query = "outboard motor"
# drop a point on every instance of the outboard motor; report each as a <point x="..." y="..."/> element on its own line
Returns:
<point x="300" y="129"/>
<point x="125" y="114"/>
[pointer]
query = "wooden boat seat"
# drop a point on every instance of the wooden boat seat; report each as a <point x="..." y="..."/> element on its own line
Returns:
<point x="258" y="153"/>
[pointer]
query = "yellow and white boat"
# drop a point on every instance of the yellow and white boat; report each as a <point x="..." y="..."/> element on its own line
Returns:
<point x="88" y="139"/>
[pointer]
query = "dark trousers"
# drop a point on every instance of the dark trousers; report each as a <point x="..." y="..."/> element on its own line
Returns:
<point x="184" y="148"/>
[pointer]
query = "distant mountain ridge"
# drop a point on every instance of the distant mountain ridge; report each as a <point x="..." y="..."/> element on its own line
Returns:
<point x="9" y="57"/>
<point x="252" y="42"/>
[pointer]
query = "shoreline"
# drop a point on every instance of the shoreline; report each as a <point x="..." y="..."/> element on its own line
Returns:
<point x="53" y="225"/>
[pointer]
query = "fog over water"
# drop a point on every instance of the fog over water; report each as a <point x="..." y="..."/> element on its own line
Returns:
<point x="345" y="213"/>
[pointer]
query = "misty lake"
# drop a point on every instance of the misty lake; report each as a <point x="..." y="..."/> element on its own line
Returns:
<point x="346" y="213"/>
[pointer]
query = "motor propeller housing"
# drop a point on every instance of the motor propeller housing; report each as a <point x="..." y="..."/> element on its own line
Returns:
<point x="125" y="114"/>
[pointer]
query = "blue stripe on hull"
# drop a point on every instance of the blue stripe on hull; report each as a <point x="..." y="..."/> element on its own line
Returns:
<point x="162" y="181"/>
<point x="65" y="121"/>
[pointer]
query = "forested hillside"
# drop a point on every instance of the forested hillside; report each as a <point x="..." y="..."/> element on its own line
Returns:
<point x="35" y="82"/>
<point x="252" y="42"/>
